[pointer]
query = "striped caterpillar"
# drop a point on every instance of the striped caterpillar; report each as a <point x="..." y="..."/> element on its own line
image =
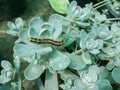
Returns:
<point x="46" y="41"/>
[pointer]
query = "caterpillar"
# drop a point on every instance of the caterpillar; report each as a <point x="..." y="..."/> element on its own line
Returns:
<point x="46" y="41"/>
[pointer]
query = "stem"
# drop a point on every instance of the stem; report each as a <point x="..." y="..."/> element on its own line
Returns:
<point x="100" y="6"/>
<point x="19" y="82"/>
<point x="110" y="19"/>
<point x="78" y="51"/>
<point x="2" y="32"/>
<point x="99" y="3"/>
<point x="40" y="84"/>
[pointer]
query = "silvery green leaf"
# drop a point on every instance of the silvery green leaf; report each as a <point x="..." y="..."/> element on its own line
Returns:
<point x="36" y="24"/>
<point x="100" y="44"/>
<point x="72" y="7"/>
<point x="117" y="62"/>
<point x="76" y="62"/>
<point x="42" y="49"/>
<point x="104" y="84"/>
<point x="32" y="33"/>
<point x="76" y="12"/>
<point x="6" y="65"/>
<point x="100" y="18"/>
<point x="95" y="51"/>
<point x="58" y="60"/>
<point x="19" y="23"/>
<point x="13" y="32"/>
<point x="79" y="85"/>
<point x="95" y="69"/>
<point x="33" y="71"/>
<point x="69" y="41"/>
<point x="84" y="12"/>
<point x="51" y="81"/>
<point x="104" y="32"/>
<point x="83" y="34"/>
<point x="23" y="35"/>
<point x="103" y="72"/>
<point x="110" y="66"/>
<point x="109" y="51"/>
<point x="103" y="56"/>
<point x="86" y="57"/>
<point x="11" y="25"/>
<point x="82" y="24"/>
<point x="116" y="75"/>
<point x="58" y="29"/>
<point x="23" y="50"/>
<point x="88" y="77"/>
<point x="4" y="79"/>
<point x="89" y="43"/>
<point x="46" y="31"/>
<point x="55" y="17"/>
<point x="115" y="29"/>
<point x="65" y="75"/>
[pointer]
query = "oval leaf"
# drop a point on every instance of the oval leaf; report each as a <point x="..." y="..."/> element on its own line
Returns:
<point x="58" y="60"/>
<point x="116" y="75"/>
<point x="33" y="71"/>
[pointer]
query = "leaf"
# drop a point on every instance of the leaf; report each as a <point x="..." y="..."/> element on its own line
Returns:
<point x="82" y="24"/>
<point x="23" y="35"/>
<point x="95" y="51"/>
<point x="58" y="29"/>
<point x="42" y="49"/>
<point x="33" y="71"/>
<point x="76" y="62"/>
<point x="19" y="23"/>
<point x="79" y="85"/>
<point x="51" y="81"/>
<point x="58" y="60"/>
<point x="116" y="75"/>
<point x="95" y="69"/>
<point x="4" y="79"/>
<point x="36" y="24"/>
<point x="103" y="72"/>
<point x="110" y="66"/>
<point x="59" y="5"/>
<point x="6" y="65"/>
<point x="104" y="84"/>
<point x="11" y="25"/>
<point x="86" y="57"/>
<point x="33" y="33"/>
<point x="22" y="50"/>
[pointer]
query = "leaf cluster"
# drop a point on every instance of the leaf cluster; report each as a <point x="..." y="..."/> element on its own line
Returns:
<point x="89" y="41"/>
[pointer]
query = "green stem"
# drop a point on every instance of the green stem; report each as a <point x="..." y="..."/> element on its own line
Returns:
<point x="100" y="6"/>
<point x="78" y="51"/>
<point x="2" y="32"/>
<point x="99" y="3"/>
<point x="111" y="19"/>
<point x="40" y="84"/>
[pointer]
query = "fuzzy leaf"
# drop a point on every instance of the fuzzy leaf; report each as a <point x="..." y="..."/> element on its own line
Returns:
<point x="116" y="74"/>
<point x="58" y="60"/>
<point x="22" y="50"/>
<point x="51" y="81"/>
<point x="76" y="62"/>
<point x="86" y="57"/>
<point x="36" y="24"/>
<point x="33" y="71"/>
